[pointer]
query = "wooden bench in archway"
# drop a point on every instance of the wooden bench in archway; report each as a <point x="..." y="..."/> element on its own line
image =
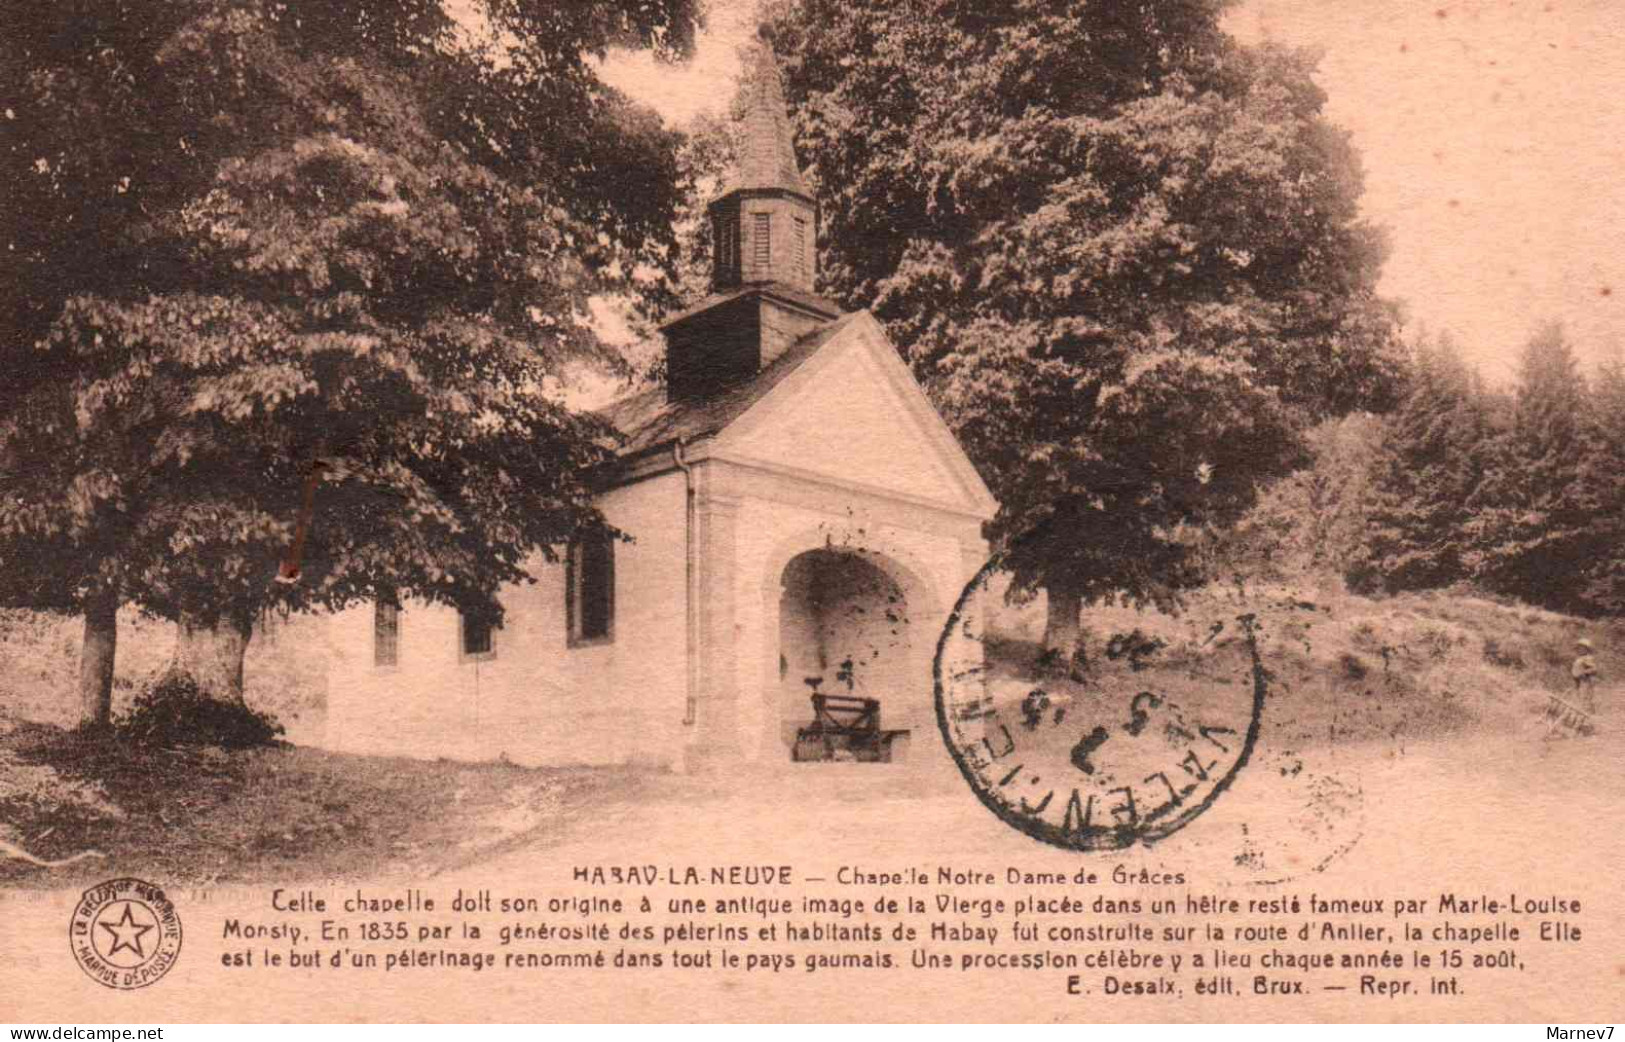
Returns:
<point x="845" y="727"/>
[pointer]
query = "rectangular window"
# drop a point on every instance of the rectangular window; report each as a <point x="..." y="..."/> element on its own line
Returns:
<point x="762" y="243"/>
<point x="590" y="589"/>
<point x="476" y="638"/>
<point x="386" y="634"/>
<point x="801" y="247"/>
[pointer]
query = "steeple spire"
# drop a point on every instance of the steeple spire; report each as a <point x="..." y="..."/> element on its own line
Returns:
<point x="764" y="225"/>
<point x="767" y="156"/>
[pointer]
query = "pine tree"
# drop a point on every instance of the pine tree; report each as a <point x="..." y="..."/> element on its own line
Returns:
<point x="1602" y="585"/>
<point x="1532" y="533"/>
<point x="1429" y="466"/>
<point x="1311" y="523"/>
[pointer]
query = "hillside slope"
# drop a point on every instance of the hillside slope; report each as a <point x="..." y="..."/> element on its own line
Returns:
<point x="1351" y="668"/>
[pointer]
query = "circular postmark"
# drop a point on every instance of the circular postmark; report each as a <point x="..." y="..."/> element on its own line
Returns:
<point x="1097" y="755"/>
<point x="125" y="933"/>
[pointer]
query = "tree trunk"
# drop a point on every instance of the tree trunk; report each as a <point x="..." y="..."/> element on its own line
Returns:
<point x="211" y="653"/>
<point x="96" y="661"/>
<point x="1061" y="622"/>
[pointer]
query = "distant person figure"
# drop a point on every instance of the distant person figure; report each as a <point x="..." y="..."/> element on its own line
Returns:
<point x="1584" y="672"/>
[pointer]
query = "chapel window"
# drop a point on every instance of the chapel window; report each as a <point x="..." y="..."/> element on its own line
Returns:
<point x="590" y="588"/>
<point x="477" y="637"/>
<point x="801" y="246"/>
<point x="386" y="634"/>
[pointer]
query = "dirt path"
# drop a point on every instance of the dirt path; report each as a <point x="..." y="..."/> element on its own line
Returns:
<point x="1371" y="803"/>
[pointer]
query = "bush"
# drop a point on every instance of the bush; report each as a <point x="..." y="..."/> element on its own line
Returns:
<point x="174" y="712"/>
<point x="1506" y="658"/>
<point x="1438" y="642"/>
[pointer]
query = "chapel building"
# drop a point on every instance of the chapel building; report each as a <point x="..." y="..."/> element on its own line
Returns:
<point x="801" y="522"/>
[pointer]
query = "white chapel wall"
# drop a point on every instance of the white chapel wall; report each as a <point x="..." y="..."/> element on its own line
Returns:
<point x="535" y="700"/>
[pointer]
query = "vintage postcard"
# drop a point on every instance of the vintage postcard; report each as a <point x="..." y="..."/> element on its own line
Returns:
<point x="812" y="511"/>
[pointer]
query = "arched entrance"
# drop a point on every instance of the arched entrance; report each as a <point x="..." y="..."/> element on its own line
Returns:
<point x="851" y="629"/>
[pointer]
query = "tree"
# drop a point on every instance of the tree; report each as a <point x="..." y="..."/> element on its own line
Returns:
<point x="44" y="566"/>
<point x="1428" y="474"/>
<point x="1121" y="250"/>
<point x="1602" y="576"/>
<point x="1311" y="523"/>
<point x="256" y="243"/>
<point x="1533" y="532"/>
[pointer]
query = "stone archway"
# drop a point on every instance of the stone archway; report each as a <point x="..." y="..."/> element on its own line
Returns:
<point x="856" y="624"/>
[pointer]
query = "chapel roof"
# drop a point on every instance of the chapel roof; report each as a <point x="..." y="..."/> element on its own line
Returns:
<point x="648" y="420"/>
<point x="784" y="291"/>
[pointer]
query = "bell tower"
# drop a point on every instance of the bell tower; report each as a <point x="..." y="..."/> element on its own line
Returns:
<point x="764" y="229"/>
<point x="764" y="224"/>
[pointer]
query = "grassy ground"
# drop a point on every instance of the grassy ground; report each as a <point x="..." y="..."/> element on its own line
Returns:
<point x="203" y="816"/>
<point x="206" y="816"/>
<point x="1355" y="669"/>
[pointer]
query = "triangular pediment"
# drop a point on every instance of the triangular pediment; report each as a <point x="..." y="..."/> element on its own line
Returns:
<point x="852" y="414"/>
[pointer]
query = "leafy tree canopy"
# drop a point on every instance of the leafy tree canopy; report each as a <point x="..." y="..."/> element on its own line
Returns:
<point x="246" y="236"/>
<point x="1122" y="250"/>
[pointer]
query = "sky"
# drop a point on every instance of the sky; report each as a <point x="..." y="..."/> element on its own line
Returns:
<point x="1492" y="134"/>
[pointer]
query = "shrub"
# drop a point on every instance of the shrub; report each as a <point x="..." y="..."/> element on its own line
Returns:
<point x="174" y="712"/>
<point x="1438" y="642"/>
<point x="1354" y="667"/>
<point x="1506" y="658"/>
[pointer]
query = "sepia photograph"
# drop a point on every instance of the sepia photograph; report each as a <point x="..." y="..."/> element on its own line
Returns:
<point x="812" y="511"/>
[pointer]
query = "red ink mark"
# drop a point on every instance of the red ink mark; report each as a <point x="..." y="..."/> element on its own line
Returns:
<point x="1441" y="13"/>
<point x="289" y="571"/>
<point x="1404" y="48"/>
<point x="1455" y="203"/>
<point x="1606" y="291"/>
